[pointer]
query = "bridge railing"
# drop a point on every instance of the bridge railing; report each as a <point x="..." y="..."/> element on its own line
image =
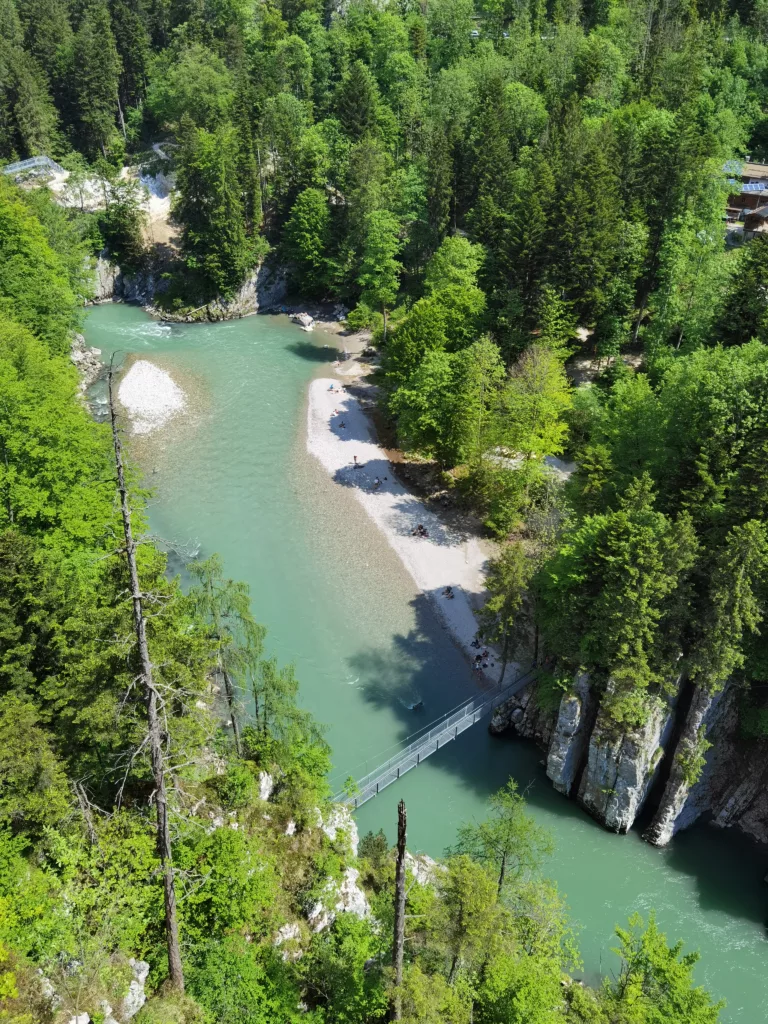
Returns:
<point x="33" y="163"/>
<point x="445" y="729"/>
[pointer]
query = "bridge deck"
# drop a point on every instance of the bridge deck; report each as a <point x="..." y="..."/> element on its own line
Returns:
<point x="436" y="736"/>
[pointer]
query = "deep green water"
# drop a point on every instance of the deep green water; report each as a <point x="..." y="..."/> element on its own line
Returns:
<point x="232" y="475"/>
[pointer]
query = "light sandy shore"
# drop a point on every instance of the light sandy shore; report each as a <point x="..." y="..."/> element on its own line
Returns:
<point x="444" y="558"/>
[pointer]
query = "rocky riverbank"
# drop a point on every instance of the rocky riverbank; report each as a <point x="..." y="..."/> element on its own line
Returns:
<point x="265" y="288"/>
<point x="618" y="775"/>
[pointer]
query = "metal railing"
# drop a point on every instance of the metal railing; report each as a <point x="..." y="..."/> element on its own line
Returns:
<point x="32" y="164"/>
<point x="448" y="728"/>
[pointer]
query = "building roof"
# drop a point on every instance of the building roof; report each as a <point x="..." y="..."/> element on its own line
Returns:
<point x="761" y="211"/>
<point x="746" y="169"/>
<point x="751" y="170"/>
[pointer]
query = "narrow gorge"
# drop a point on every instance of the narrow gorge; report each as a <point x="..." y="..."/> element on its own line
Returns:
<point x="622" y="777"/>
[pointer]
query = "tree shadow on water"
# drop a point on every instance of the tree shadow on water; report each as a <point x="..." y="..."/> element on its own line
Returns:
<point x="728" y="867"/>
<point x="313" y="353"/>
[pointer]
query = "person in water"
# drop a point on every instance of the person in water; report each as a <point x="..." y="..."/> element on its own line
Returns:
<point x="448" y="592"/>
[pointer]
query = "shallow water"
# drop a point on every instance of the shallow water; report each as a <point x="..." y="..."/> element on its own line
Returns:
<point x="231" y="474"/>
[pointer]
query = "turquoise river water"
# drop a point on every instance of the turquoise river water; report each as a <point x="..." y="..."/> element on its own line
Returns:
<point x="231" y="474"/>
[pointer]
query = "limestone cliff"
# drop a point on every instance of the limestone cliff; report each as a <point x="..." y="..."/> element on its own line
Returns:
<point x="621" y="767"/>
<point x="611" y="773"/>
<point x="263" y="288"/>
<point x="570" y="736"/>
<point x="523" y="715"/>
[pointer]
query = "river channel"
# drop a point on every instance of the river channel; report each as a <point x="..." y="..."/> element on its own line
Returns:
<point x="231" y="474"/>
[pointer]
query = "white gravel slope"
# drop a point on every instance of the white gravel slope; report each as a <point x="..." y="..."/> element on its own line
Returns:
<point x="150" y="396"/>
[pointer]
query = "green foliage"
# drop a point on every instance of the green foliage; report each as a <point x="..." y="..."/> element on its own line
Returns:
<point x="35" y="288"/>
<point x="96" y="68"/>
<point x="502" y="617"/>
<point x="195" y="84"/>
<point x="306" y="239"/>
<point x="656" y="980"/>
<point x="609" y="598"/>
<point x="209" y="206"/>
<point x="236" y="982"/>
<point x="334" y="971"/>
<point x="510" y="843"/>
<point x="33" y="786"/>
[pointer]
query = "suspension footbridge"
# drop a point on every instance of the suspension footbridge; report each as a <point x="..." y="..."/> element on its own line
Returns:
<point x="433" y="738"/>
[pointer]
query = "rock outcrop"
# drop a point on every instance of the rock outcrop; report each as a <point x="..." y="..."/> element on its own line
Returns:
<point x="523" y="715"/>
<point x="345" y="897"/>
<point x="266" y="286"/>
<point x="340" y="827"/>
<point x="612" y="772"/>
<point x="621" y="767"/>
<point x="87" y="360"/>
<point x="570" y="737"/>
<point x="135" y="998"/>
<point x="679" y="784"/>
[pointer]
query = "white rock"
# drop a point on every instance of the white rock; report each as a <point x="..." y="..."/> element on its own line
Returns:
<point x="266" y="785"/>
<point x="80" y="1018"/>
<point x="150" y="396"/>
<point x="340" y="822"/>
<point x="136" y="997"/>
<point x="290" y="828"/>
<point x="106" y="1009"/>
<point x="304" y="320"/>
<point x="48" y="991"/>
<point x="346" y="898"/>
<point x="289" y="933"/>
<point x="422" y="867"/>
<point x="570" y="736"/>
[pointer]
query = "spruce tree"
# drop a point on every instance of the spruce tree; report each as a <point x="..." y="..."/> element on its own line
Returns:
<point x="96" y="69"/>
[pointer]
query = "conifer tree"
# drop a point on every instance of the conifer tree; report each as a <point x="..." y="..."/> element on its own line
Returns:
<point x="210" y="209"/>
<point x="379" y="268"/>
<point x="357" y="101"/>
<point x="96" y="69"/>
<point x="306" y="237"/>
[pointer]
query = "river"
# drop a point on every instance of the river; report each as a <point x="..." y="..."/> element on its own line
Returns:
<point x="232" y="475"/>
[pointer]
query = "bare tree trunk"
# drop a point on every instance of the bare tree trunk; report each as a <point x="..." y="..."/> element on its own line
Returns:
<point x="85" y="810"/>
<point x="122" y="119"/>
<point x="502" y="873"/>
<point x="155" y="733"/>
<point x="230" y="690"/>
<point x="399" y="931"/>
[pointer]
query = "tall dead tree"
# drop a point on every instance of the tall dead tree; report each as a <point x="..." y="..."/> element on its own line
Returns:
<point x="154" y="729"/>
<point x="399" y="931"/>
